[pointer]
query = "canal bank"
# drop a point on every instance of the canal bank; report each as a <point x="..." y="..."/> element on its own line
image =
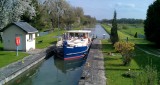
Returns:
<point x="94" y="72"/>
<point x="12" y="70"/>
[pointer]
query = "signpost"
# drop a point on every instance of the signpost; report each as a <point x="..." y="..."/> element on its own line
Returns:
<point x="17" y="43"/>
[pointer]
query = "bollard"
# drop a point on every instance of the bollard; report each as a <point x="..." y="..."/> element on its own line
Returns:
<point x="104" y="36"/>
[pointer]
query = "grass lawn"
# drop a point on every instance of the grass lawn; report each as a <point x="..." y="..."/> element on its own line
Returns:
<point x="113" y="64"/>
<point x="114" y="68"/>
<point x="120" y="34"/>
<point x="48" y="40"/>
<point x="7" y="57"/>
<point x="131" y="30"/>
<point x="10" y="57"/>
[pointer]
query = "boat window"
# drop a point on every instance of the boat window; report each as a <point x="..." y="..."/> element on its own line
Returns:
<point x="71" y="34"/>
<point x="76" y="35"/>
<point x="80" y="34"/>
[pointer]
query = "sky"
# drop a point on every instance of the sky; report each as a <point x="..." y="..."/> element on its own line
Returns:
<point x="104" y="9"/>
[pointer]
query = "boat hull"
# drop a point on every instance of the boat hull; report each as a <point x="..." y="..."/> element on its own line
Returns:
<point x="71" y="53"/>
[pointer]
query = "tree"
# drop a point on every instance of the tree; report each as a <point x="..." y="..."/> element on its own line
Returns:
<point x="136" y="35"/>
<point x="114" y="35"/>
<point x="12" y="10"/>
<point x="152" y="23"/>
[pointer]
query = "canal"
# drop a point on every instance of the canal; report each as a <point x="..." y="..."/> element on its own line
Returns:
<point x="100" y="32"/>
<point x="55" y="71"/>
<point x="52" y="71"/>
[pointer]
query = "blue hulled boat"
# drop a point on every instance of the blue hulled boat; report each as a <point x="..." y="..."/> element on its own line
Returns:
<point x="75" y="44"/>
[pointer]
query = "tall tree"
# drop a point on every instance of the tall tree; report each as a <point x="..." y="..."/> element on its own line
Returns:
<point x="114" y="35"/>
<point x="152" y="23"/>
<point x="11" y="10"/>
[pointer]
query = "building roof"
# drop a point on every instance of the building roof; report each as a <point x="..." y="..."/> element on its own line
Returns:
<point x="24" y="26"/>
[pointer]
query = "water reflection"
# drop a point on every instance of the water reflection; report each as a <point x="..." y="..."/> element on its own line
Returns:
<point x="52" y="71"/>
<point x="66" y="66"/>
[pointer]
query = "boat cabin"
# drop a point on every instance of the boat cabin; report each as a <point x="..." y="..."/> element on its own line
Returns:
<point x="81" y="34"/>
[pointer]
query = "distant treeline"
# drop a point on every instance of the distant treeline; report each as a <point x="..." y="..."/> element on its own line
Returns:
<point x="124" y="21"/>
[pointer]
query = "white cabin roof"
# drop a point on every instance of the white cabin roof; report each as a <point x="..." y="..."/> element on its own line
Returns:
<point x="79" y="31"/>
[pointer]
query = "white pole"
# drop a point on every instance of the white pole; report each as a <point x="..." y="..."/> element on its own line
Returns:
<point x="17" y="50"/>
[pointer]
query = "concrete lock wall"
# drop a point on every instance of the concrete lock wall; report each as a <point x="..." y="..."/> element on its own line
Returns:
<point x="20" y="71"/>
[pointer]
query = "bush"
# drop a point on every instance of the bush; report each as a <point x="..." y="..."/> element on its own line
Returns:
<point x="126" y="50"/>
<point x="135" y="35"/>
<point x="129" y="74"/>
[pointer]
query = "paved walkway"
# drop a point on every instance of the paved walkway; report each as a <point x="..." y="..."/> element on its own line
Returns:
<point x="13" y="68"/>
<point x="94" y="73"/>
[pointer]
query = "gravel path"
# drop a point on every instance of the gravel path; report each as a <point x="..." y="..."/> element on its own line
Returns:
<point x="94" y="73"/>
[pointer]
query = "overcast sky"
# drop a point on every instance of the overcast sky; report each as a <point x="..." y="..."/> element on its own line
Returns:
<point x="103" y="9"/>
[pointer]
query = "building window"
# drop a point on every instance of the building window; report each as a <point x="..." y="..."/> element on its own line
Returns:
<point x="30" y="37"/>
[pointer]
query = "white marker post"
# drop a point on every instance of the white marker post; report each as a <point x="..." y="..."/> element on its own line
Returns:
<point x="17" y="50"/>
<point x="17" y="43"/>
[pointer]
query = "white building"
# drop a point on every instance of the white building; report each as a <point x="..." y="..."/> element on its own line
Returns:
<point x="19" y="29"/>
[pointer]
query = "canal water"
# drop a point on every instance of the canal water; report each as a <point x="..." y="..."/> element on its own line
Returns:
<point x="55" y="71"/>
<point x="100" y="32"/>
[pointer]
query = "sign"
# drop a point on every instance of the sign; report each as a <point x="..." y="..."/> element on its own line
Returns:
<point x="18" y="41"/>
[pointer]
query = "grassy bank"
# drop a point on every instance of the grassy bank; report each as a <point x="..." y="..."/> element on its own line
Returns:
<point x="131" y="29"/>
<point x="113" y="63"/>
<point x="48" y="40"/>
<point x="115" y="69"/>
<point x="10" y="57"/>
<point x="7" y="57"/>
<point x="123" y="36"/>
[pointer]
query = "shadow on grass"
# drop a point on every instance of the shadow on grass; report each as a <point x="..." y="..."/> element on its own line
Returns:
<point x="108" y="58"/>
<point x="115" y="65"/>
<point x="1" y="54"/>
<point x="53" y="42"/>
<point x="118" y="69"/>
<point x="143" y="59"/>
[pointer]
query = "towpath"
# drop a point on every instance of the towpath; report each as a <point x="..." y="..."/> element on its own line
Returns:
<point x="94" y="72"/>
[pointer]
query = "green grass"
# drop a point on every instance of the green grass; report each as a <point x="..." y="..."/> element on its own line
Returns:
<point x="131" y="29"/>
<point x="113" y="64"/>
<point x="120" y="34"/>
<point x="7" y="57"/>
<point x="114" y="68"/>
<point x="123" y="36"/>
<point x="48" y="39"/>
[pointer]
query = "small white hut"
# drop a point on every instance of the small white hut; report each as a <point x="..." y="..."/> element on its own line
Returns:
<point x="19" y="29"/>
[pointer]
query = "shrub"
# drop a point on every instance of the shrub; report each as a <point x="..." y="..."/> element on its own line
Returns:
<point x="135" y="35"/>
<point x="126" y="50"/>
